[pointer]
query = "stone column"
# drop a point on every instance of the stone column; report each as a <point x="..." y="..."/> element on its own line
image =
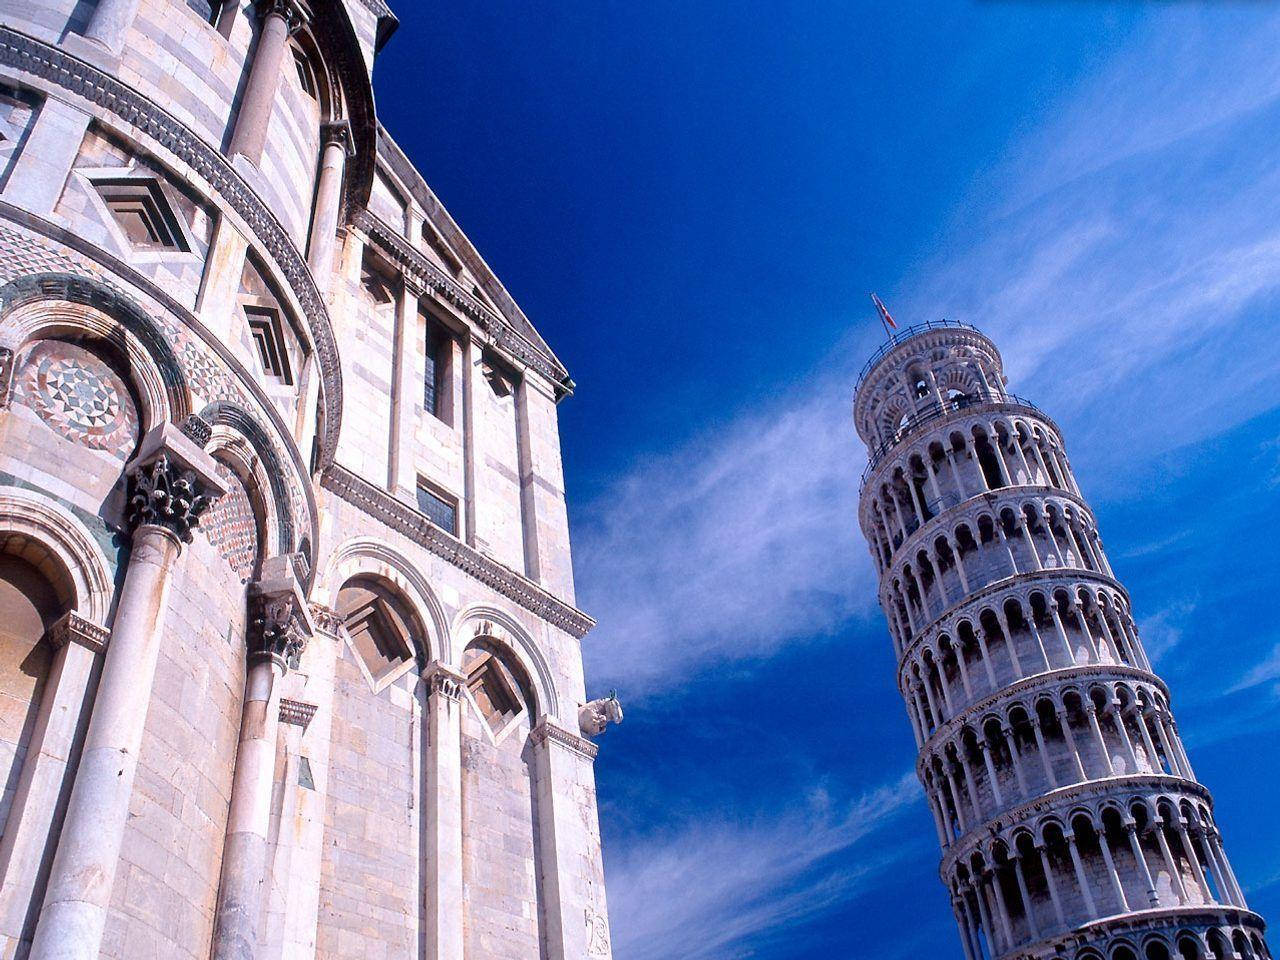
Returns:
<point x="1065" y="722"/>
<point x="1135" y="845"/>
<point x="1117" y="718"/>
<point x="442" y="788"/>
<point x="985" y="748"/>
<point x="172" y="482"/>
<point x="1027" y="906"/>
<point x="279" y="19"/>
<point x="568" y="834"/>
<point x="1002" y="908"/>
<point x="1082" y="883"/>
<point x="77" y="642"/>
<point x="1175" y="876"/>
<point x="1043" y="750"/>
<point x="402" y="468"/>
<point x="1052" y="884"/>
<point x="279" y="624"/>
<point x="1091" y="712"/>
<point x="110" y="21"/>
<point x="337" y="146"/>
<point x="1052" y="606"/>
<point x="949" y="771"/>
<point x="1011" y="742"/>
<point x="1193" y="858"/>
<point x="1105" y="845"/>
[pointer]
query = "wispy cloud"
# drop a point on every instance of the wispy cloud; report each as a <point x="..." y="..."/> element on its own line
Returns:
<point x="703" y="891"/>
<point x="1266" y="671"/>
<point x="1125" y="239"/>
<point x="729" y="546"/>
<point x="1162" y="630"/>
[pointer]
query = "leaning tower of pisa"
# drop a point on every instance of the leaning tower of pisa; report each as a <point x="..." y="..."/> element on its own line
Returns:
<point x="1071" y="822"/>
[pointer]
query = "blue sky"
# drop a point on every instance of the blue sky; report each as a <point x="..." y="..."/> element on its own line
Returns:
<point x="692" y="201"/>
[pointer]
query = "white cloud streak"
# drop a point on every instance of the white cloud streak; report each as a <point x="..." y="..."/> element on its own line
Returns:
<point x="702" y="892"/>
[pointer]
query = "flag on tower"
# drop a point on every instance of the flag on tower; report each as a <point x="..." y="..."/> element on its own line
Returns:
<point x="886" y="321"/>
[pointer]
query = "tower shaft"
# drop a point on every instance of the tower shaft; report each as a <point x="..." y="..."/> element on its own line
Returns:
<point x="1071" y="822"/>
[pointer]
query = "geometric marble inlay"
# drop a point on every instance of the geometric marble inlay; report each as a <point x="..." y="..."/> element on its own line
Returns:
<point x="78" y="394"/>
<point x="232" y="526"/>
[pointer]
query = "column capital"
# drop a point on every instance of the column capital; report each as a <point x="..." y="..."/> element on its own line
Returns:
<point x="548" y="731"/>
<point x="444" y="680"/>
<point x="172" y="482"/>
<point x="287" y="10"/>
<point x="339" y="132"/>
<point x="280" y="618"/>
<point x="73" y="628"/>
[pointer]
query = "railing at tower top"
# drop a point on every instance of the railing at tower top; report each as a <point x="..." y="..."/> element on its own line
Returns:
<point x="933" y="412"/>
<point x="906" y="335"/>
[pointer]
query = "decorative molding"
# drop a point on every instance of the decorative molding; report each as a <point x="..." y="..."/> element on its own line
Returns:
<point x="427" y="275"/>
<point x="55" y="66"/>
<point x="7" y="368"/>
<point x="400" y="516"/>
<point x="296" y="712"/>
<point x="197" y="429"/>
<point x="73" y="628"/>
<point x="548" y="732"/>
<point x="30" y="287"/>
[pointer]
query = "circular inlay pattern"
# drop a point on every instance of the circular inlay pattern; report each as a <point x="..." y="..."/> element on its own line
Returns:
<point x="78" y="394"/>
<point x="232" y="526"/>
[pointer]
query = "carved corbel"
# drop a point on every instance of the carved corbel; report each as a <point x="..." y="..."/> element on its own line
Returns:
<point x="73" y="628"/>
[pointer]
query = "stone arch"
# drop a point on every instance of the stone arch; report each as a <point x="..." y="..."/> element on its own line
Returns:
<point x="290" y="534"/>
<point x="363" y="555"/>
<point x="26" y="513"/>
<point x="49" y="305"/>
<point x="489" y="621"/>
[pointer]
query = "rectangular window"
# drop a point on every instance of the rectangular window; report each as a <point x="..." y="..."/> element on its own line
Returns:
<point x="306" y="75"/>
<point x="268" y="338"/>
<point x="434" y="379"/>
<point x="207" y="9"/>
<point x="440" y="509"/>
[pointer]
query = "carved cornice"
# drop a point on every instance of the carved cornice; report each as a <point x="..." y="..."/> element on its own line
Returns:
<point x="55" y="66"/>
<point x="548" y="733"/>
<point x="296" y="712"/>
<point x="73" y="628"/>
<point x="400" y="516"/>
<point x="412" y="262"/>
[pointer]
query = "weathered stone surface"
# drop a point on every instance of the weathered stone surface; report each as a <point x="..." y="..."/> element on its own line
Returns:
<point x="163" y="339"/>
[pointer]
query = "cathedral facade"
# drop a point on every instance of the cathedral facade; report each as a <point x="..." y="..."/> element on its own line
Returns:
<point x="1071" y="822"/>
<point x="289" y="653"/>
